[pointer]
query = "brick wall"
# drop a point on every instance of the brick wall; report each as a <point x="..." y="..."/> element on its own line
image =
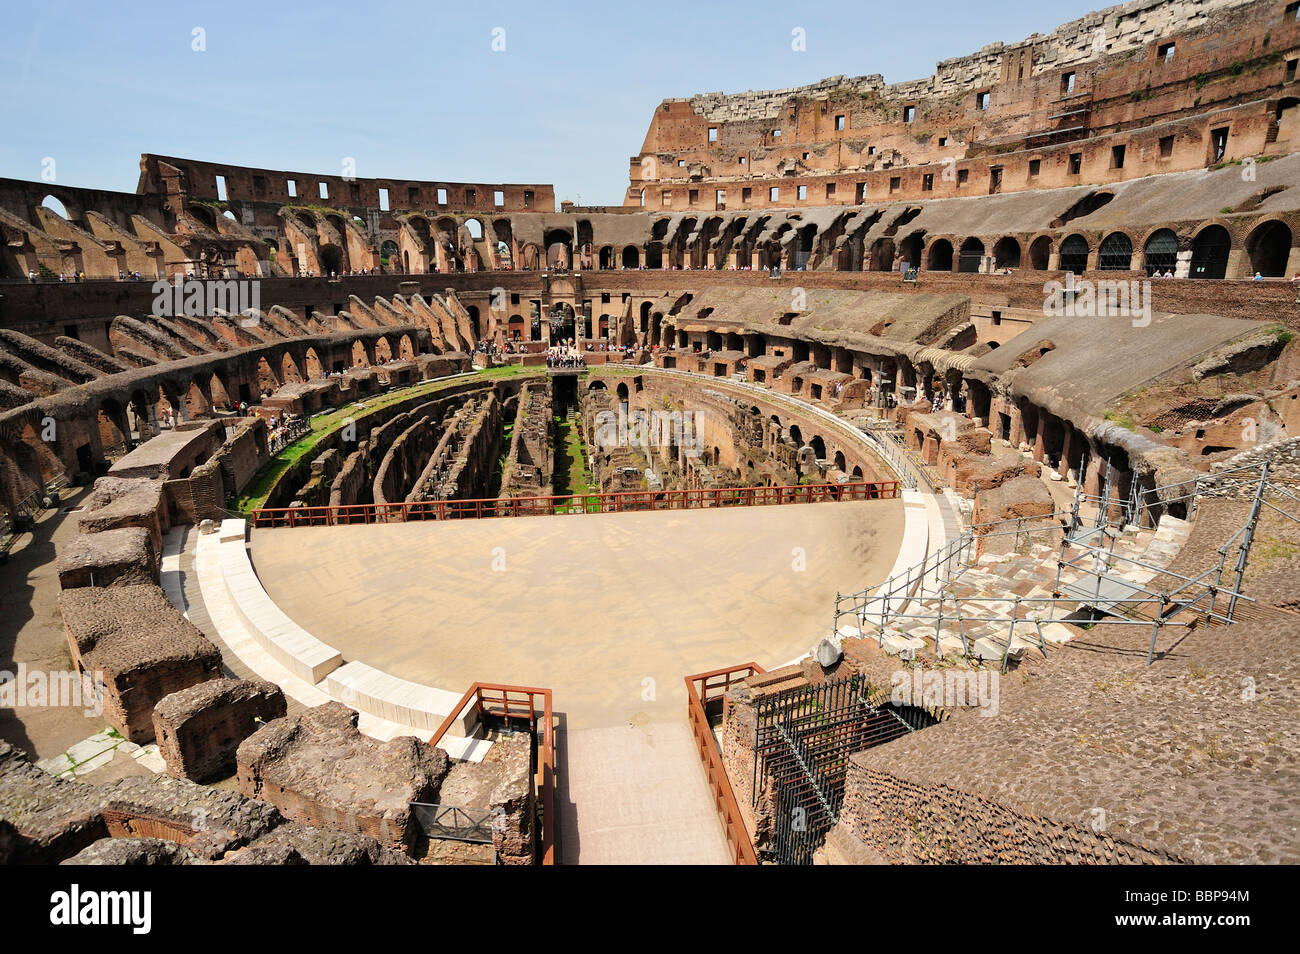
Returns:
<point x="901" y="822"/>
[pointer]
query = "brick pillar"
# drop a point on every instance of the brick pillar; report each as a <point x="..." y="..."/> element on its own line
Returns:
<point x="1067" y="438"/>
<point x="1239" y="265"/>
<point x="1092" y="477"/>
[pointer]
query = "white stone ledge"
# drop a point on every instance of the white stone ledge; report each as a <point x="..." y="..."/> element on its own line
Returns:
<point x="292" y="646"/>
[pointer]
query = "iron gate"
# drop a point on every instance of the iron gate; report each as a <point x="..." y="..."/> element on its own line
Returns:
<point x="803" y="740"/>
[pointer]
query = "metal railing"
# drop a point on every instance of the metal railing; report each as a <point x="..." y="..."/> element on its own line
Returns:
<point x="506" y="703"/>
<point x="285" y="435"/>
<point x="893" y="595"/>
<point x="701" y="690"/>
<point x="453" y="823"/>
<point x="617" y="502"/>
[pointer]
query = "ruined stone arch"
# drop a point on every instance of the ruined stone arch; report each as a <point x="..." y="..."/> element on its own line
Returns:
<point x="405" y="347"/>
<point x="289" y="373"/>
<point x="1269" y="248"/>
<point x="61" y="204"/>
<point x="220" y="392"/>
<point x="204" y="214"/>
<point x="1040" y="253"/>
<point x="606" y="257"/>
<point x="267" y="381"/>
<point x="1006" y="253"/>
<point x="332" y="259"/>
<point x="938" y="257"/>
<point x="911" y="250"/>
<point x="311" y="364"/>
<point x="881" y="257"/>
<point x="383" y="350"/>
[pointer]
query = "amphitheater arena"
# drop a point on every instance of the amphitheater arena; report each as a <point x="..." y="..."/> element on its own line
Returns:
<point x="902" y="473"/>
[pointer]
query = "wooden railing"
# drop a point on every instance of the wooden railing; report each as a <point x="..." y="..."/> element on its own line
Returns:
<point x="519" y="702"/>
<point x="619" y="502"/>
<point x="702" y="689"/>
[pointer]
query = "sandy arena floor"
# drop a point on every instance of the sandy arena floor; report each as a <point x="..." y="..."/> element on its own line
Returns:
<point x="608" y="610"/>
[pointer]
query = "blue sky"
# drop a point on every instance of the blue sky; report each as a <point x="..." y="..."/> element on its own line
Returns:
<point x="416" y="91"/>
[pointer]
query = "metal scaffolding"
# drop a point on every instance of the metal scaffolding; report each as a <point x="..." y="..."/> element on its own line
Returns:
<point x="1094" y="583"/>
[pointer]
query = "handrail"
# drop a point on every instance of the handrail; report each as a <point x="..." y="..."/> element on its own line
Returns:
<point x="613" y="502"/>
<point x="494" y="699"/>
<point x="724" y="798"/>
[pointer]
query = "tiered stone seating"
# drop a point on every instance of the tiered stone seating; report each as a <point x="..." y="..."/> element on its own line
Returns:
<point x="991" y="586"/>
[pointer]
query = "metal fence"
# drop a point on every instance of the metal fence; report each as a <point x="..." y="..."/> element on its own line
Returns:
<point x="619" y="502"/>
<point x="802" y="742"/>
<point x="453" y="823"/>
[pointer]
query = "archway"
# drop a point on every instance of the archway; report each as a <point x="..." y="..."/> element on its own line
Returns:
<point x="939" y="258"/>
<point x="1210" y="250"/>
<point x="313" y="365"/>
<point x="1074" y="254"/>
<point x="266" y="379"/>
<point x="631" y="257"/>
<point x="1269" y="247"/>
<point x="289" y="373"/>
<point x="1160" y="253"/>
<point x="1006" y="253"/>
<point x="881" y="258"/>
<point x="1040" y="253"/>
<point x="971" y="257"/>
<point x="1116" y="253"/>
<point x="57" y="207"/>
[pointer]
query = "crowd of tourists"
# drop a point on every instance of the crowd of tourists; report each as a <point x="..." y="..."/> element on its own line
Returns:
<point x="565" y="355"/>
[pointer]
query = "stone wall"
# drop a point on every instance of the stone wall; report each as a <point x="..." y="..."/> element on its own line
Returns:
<point x="199" y="729"/>
<point x="141" y="646"/>
<point x="901" y="822"/>
<point x="1283" y="457"/>
<point x="156" y="819"/>
<point x="318" y="769"/>
<point x="530" y="463"/>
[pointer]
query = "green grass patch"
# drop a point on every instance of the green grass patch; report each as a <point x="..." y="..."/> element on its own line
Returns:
<point x="571" y="474"/>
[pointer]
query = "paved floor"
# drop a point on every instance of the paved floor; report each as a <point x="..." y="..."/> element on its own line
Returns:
<point x="608" y="610"/>
<point x="636" y="795"/>
<point x="32" y="633"/>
